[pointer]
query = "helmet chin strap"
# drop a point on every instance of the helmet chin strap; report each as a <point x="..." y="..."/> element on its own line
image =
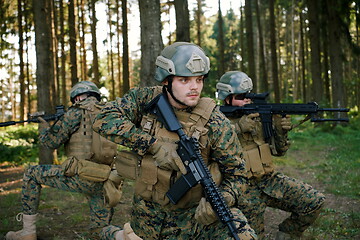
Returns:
<point x="168" y="88"/>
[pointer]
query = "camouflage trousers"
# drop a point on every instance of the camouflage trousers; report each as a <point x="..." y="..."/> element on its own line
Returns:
<point x="52" y="175"/>
<point x="281" y="192"/>
<point x="150" y="220"/>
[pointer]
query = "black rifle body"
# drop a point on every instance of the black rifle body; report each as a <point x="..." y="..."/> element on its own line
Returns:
<point x="266" y="110"/>
<point x="197" y="172"/>
<point x="51" y="117"/>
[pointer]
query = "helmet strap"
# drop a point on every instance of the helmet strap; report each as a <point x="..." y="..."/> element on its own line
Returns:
<point x="168" y="88"/>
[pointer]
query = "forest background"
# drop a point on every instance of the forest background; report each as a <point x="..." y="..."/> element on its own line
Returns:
<point x="299" y="50"/>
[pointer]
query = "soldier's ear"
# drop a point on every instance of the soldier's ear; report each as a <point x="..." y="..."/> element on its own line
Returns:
<point x="165" y="82"/>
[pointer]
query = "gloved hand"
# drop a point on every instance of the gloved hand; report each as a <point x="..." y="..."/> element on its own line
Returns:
<point x="247" y="122"/>
<point x="127" y="233"/>
<point x="286" y="123"/>
<point x="204" y="213"/>
<point x="166" y="157"/>
<point x="43" y="123"/>
<point x="283" y="123"/>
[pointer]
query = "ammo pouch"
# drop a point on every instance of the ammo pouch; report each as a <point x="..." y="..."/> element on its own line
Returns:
<point x="70" y="166"/>
<point x="113" y="189"/>
<point x="93" y="171"/>
<point x="126" y="164"/>
<point x="258" y="160"/>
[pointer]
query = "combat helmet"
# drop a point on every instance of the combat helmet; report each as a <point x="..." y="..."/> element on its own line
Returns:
<point x="181" y="59"/>
<point x="233" y="82"/>
<point x="84" y="87"/>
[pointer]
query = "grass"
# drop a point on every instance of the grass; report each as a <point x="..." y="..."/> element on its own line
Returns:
<point x="331" y="154"/>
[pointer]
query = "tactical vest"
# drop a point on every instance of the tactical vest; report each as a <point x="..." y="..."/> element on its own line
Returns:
<point x="257" y="152"/>
<point x="152" y="183"/>
<point x="85" y="144"/>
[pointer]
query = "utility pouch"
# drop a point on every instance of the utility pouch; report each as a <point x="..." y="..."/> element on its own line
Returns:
<point x="255" y="162"/>
<point x="144" y="185"/>
<point x="93" y="171"/>
<point x="266" y="158"/>
<point x="126" y="164"/>
<point x="113" y="189"/>
<point x="70" y="166"/>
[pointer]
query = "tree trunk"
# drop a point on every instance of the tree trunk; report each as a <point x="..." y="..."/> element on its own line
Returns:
<point x="314" y="36"/>
<point x="199" y="14"/>
<point x="302" y="58"/>
<point x="125" y="60"/>
<point x="242" y="41"/>
<point x="274" y="68"/>
<point x="264" y="85"/>
<point x="110" y="52"/>
<point x="335" y="53"/>
<point x="44" y="66"/>
<point x="250" y="43"/>
<point x="151" y="41"/>
<point x="21" y="61"/>
<point x="63" y="55"/>
<point x="95" y="67"/>
<point x="72" y="42"/>
<point x="221" y="43"/>
<point x="82" y="33"/>
<point x="118" y="52"/>
<point x="182" y="21"/>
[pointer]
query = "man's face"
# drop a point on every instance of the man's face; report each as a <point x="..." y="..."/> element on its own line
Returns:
<point x="187" y="90"/>
<point x="237" y="100"/>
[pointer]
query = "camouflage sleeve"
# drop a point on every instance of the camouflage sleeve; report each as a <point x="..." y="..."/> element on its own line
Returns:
<point x="119" y="120"/>
<point x="61" y="131"/>
<point x="226" y="150"/>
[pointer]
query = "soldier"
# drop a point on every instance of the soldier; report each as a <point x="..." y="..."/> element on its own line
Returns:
<point x="268" y="187"/>
<point x="181" y="69"/>
<point x="87" y="169"/>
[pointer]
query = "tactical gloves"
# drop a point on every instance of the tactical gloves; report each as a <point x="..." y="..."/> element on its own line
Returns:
<point x="204" y="213"/>
<point x="166" y="157"/>
<point x="282" y="124"/>
<point x="43" y="123"/>
<point x="127" y="234"/>
<point x="247" y="123"/>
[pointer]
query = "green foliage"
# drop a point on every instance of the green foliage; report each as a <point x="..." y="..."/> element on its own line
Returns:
<point x="19" y="145"/>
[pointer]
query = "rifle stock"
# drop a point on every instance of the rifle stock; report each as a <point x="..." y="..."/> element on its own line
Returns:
<point x="197" y="172"/>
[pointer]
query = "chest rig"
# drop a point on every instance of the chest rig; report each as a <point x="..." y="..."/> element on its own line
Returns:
<point x="152" y="182"/>
<point x="85" y="143"/>
<point x="257" y="152"/>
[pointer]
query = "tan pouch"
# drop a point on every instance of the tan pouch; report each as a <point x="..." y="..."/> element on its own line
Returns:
<point x="113" y="189"/>
<point x="161" y="187"/>
<point x="266" y="158"/>
<point x="255" y="162"/>
<point x="93" y="171"/>
<point x="126" y="164"/>
<point x="147" y="178"/>
<point x="70" y="166"/>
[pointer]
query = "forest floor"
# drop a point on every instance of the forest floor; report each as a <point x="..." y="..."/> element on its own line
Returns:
<point x="64" y="215"/>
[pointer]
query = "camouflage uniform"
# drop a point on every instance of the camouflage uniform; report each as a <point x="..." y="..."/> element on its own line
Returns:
<point x="53" y="175"/>
<point x="276" y="190"/>
<point x="120" y="121"/>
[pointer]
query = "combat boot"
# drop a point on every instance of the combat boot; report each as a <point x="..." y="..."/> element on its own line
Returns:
<point x="29" y="228"/>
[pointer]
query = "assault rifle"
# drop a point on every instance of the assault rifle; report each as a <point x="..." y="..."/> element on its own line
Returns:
<point x="197" y="172"/>
<point x="34" y="117"/>
<point x="266" y="110"/>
